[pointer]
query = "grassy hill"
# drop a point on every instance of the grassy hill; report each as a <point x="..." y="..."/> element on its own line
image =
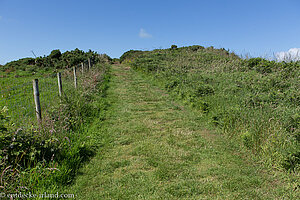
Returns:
<point x="143" y="140"/>
<point x="255" y="102"/>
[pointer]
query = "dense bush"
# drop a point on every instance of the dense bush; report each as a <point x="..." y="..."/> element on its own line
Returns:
<point x="55" y="54"/>
<point x="56" y="60"/>
<point x="130" y="55"/>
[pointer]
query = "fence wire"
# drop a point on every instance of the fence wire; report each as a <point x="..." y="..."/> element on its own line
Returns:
<point x="17" y="94"/>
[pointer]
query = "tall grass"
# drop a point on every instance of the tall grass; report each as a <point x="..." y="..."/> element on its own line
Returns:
<point x="48" y="155"/>
<point x="254" y="101"/>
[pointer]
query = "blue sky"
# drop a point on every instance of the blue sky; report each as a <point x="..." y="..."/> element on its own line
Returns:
<point x="258" y="27"/>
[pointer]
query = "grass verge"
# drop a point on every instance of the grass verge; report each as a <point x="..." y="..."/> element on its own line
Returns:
<point x="47" y="157"/>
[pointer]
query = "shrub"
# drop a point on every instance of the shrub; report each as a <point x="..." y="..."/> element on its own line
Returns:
<point x="55" y="54"/>
<point x="174" y="46"/>
<point x="58" y="60"/>
<point x="196" y="47"/>
<point x="130" y="55"/>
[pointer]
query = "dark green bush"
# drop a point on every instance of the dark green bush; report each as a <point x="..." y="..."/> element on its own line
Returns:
<point x="58" y="60"/>
<point x="252" y="62"/>
<point x="196" y="47"/>
<point x="55" y="54"/>
<point x="130" y="55"/>
<point x="261" y="65"/>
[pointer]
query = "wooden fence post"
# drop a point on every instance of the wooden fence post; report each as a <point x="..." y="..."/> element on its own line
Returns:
<point x="36" y="95"/>
<point x="89" y="60"/>
<point x="82" y="68"/>
<point x="59" y="83"/>
<point x="75" y="77"/>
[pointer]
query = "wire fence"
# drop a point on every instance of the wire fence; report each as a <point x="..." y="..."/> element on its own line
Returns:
<point x="17" y="96"/>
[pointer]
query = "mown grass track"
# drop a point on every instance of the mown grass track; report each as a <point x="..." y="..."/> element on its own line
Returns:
<point x="154" y="148"/>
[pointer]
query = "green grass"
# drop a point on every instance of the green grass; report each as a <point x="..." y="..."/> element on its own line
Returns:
<point x="152" y="147"/>
<point x="17" y="95"/>
<point x="46" y="156"/>
<point x="204" y="125"/>
<point x="254" y="102"/>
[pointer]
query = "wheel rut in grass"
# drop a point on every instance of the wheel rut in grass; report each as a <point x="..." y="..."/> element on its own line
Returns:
<point x="157" y="149"/>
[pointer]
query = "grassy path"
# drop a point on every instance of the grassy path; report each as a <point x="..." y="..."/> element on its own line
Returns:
<point x="156" y="149"/>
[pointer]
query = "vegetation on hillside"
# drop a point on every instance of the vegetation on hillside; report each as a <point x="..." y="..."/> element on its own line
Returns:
<point x="55" y="60"/>
<point x="153" y="147"/>
<point x="34" y="155"/>
<point x="254" y="101"/>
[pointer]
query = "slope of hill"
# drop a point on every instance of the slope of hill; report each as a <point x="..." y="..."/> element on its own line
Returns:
<point x="255" y="102"/>
<point x="154" y="147"/>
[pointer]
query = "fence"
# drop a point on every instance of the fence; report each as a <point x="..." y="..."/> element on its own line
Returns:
<point x="25" y="98"/>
